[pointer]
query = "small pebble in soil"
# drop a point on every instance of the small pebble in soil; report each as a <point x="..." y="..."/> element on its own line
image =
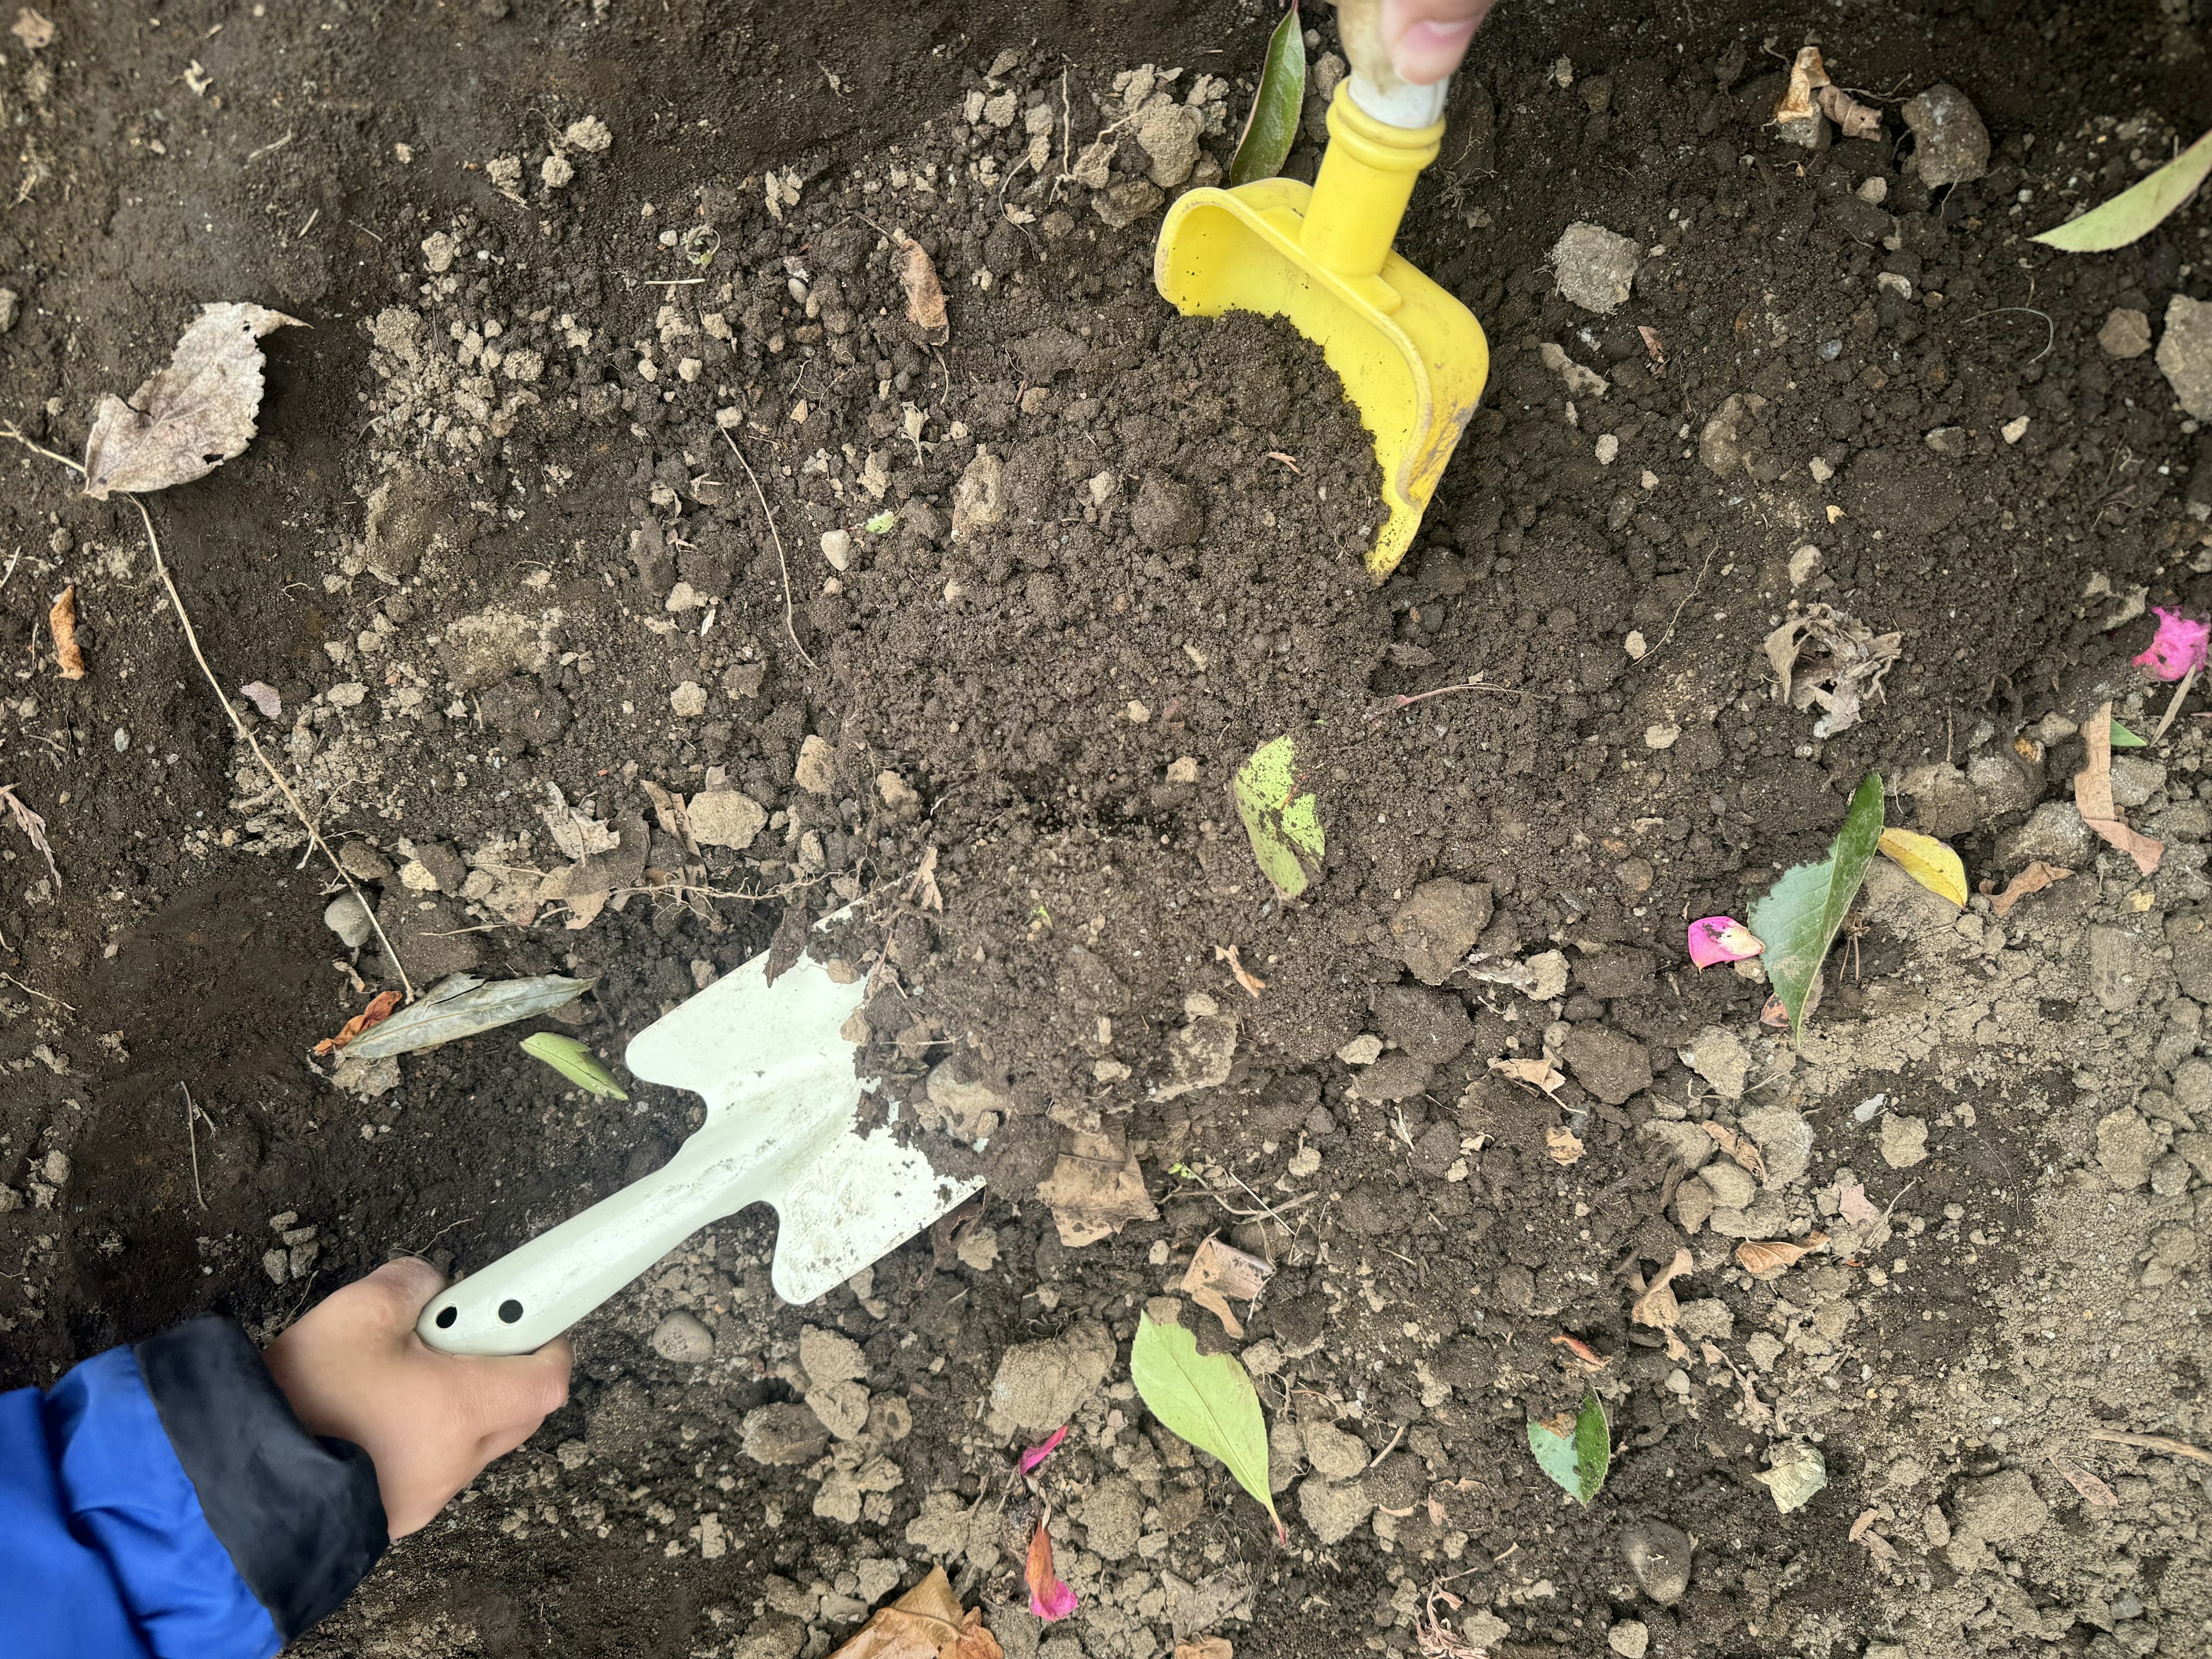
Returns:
<point x="1659" y="1556"/>
<point x="348" y="917"/>
<point x="2126" y="333"/>
<point x="683" y="1339"/>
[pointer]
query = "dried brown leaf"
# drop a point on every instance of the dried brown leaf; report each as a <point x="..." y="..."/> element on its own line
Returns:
<point x="1806" y="75"/>
<point x="1097" y="1189"/>
<point x="1204" y="1647"/>
<point x="2095" y="1493"/>
<point x="1562" y="1145"/>
<point x="925" y="295"/>
<point x="2033" y="880"/>
<point x="33" y="29"/>
<point x="61" y="621"/>
<point x="33" y="826"/>
<point x="1773" y="1258"/>
<point x="1217" y="1272"/>
<point x="1537" y="1073"/>
<point x="1827" y="657"/>
<point x="1654" y="347"/>
<point x="1862" y="1532"/>
<point x="1251" y="981"/>
<point x="2093" y="796"/>
<point x="1658" y="1307"/>
<point x="926" y="1623"/>
<point x="921" y="889"/>
<point x="190" y="417"/>
<point x="1740" y="1148"/>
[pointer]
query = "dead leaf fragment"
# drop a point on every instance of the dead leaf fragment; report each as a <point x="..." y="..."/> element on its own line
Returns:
<point x="1252" y="982"/>
<point x="379" y="1010"/>
<point x="1536" y="1074"/>
<point x="925" y="295"/>
<point x="1217" y="1272"/>
<point x="33" y="826"/>
<point x="1658" y="1307"/>
<point x="2095" y="1493"/>
<point x="1097" y="1189"/>
<point x="921" y="889"/>
<point x="190" y="417"/>
<point x="926" y="1623"/>
<point x="1806" y="75"/>
<point x="1826" y="657"/>
<point x="2093" y="796"/>
<point x="34" y="30"/>
<point x="1206" y="1647"/>
<point x="61" y="620"/>
<point x="1857" y="121"/>
<point x="1654" y="347"/>
<point x="2033" y="880"/>
<point x="1562" y="1145"/>
<point x="1862" y="1532"/>
<point x="1772" y="1259"/>
<point x="1740" y="1148"/>
<point x="1581" y="1357"/>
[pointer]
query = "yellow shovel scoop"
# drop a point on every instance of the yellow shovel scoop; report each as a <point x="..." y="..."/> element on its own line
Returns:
<point x="1411" y="356"/>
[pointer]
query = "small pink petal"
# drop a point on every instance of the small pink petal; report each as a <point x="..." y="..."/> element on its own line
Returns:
<point x="1054" y="1604"/>
<point x="2180" y="645"/>
<point x="1721" y="939"/>
<point x="264" y="697"/>
<point x="1036" y="1454"/>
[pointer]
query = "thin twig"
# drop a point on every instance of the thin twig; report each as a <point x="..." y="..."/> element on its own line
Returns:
<point x="780" y="562"/>
<point x="193" y="1140"/>
<point x="2156" y="1442"/>
<point x="2181" y="692"/>
<point x="1404" y="702"/>
<point x="1388" y="1449"/>
<point x="2050" y="329"/>
<point x="1685" y="605"/>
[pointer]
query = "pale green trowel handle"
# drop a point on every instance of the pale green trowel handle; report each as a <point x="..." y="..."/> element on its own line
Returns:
<point x="531" y="1295"/>
<point x="1375" y="84"/>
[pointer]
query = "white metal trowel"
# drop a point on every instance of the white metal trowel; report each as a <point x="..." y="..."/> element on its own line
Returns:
<point x="781" y="1129"/>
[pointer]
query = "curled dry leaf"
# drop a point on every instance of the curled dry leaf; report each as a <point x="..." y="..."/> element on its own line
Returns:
<point x="61" y="620"/>
<point x="1826" y="657"/>
<point x="1857" y="121"/>
<point x="1561" y="1145"/>
<point x="2093" y="796"/>
<point x="1252" y="982"/>
<point x="1740" y="1147"/>
<point x="925" y="295"/>
<point x="926" y="1623"/>
<point x="379" y="1010"/>
<point x="2033" y="880"/>
<point x="194" y="415"/>
<point x="1658" y="1307"/>
<point x="921" y="889"/>
<point x="1798" y="103"/>
<point x="1654" y="347"/>
<point x="1862" y="1532"/>
<point x="33" y="826"/>
<point x="1771" y="1259"/>
<point x="1217" y="1272"/>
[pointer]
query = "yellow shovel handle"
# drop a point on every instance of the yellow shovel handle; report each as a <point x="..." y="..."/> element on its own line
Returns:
<point x="1366" y="179"/>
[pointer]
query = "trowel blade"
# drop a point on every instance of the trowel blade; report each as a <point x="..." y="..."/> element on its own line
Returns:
<point x="782" y="1127"/>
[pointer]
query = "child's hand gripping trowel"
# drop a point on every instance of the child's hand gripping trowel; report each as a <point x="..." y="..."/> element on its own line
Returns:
<point x="1411" y="356"/>
<point x="777" y="1077"/>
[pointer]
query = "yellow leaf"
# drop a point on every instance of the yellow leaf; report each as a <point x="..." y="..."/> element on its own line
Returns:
<point x="1928" y="862"/>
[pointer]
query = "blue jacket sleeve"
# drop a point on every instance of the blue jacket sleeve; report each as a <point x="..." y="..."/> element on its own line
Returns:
<point x="162" y="1502"/>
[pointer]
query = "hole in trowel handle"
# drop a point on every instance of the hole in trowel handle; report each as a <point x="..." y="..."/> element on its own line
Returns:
<point x="509" y="1312"/>
<point x="447" y="1317"/>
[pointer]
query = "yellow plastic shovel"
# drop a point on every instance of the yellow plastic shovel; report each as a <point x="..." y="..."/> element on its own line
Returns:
<point x="1411" y="356"/>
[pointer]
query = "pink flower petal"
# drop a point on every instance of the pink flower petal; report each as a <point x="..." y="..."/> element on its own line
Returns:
<point x="2180" y="645"/>
<point x="1721" y="939"/>
<point x="1049" y="1599"/>
<point x="1036" y="1454"/>
<point x="1055" y="1604"/>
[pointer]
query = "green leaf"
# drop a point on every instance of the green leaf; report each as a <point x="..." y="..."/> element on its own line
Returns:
<point x="1576" y="1451"/>
<point x="1273" y="126"/>
<point x="573" y="1061"/>
<point x="462" y="1006"/>
<point x="1209" y="1401"/>
<point x="1800" y="915"/>
<point x="2137" y="210"/>
<point x="881" y="524"/>
<point x="1284" y="825"/>
<point x="2123" y="738"/>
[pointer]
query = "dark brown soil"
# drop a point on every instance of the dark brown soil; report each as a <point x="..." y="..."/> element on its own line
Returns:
<point x="1173" y="579"/>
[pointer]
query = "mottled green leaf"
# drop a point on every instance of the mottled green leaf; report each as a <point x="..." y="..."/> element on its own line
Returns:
<point x="1208" y="1400"/>
<point x="1273" y="126"/>
<point x="1575" y="1450"/>
<point x="2136" y="210"/>
<point x="1283" y="821"/>
<point x="1799" y="1471"/>
<point x="573" y="1061"/>
<point x="881" y="524"/>
<point x="1803" y="913"/>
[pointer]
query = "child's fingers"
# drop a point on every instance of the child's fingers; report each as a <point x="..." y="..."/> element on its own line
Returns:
<point x="516" y="1394"/>
<point x="1428" y="38"/>
<point x="404" y="1286"/>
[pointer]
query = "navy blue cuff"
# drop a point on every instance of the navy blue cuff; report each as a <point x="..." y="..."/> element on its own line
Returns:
<point x="300" y="1516"/>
